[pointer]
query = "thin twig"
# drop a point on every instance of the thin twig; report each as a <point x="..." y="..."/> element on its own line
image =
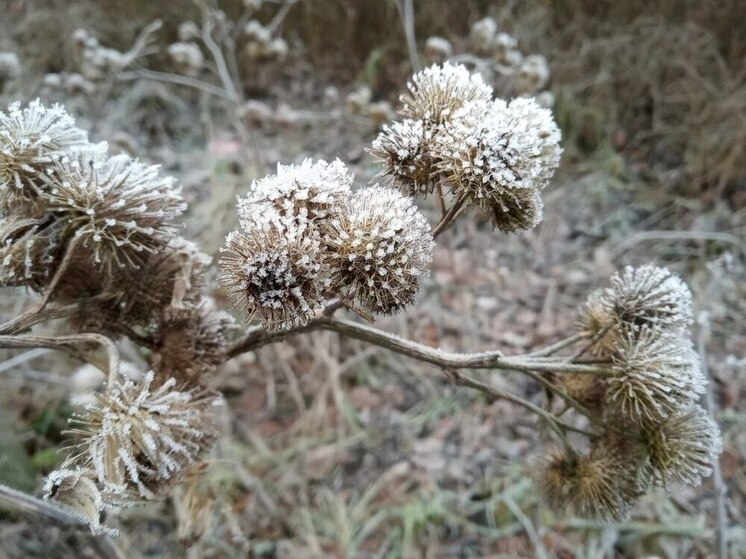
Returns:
<point x="64" y="343"/>
<point x="406" y="13"/>
<point x="593" y="341"/>
<point x="554" y="348"/>
<point x="446" y="220"/>
<point x="12" y="499"/>
<point x="165" y="77"/>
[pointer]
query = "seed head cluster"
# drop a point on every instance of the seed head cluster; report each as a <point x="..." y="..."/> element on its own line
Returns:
<point x="307" y="237"/>
<point x="647" y="408"/>
<point x="493" y="155"/>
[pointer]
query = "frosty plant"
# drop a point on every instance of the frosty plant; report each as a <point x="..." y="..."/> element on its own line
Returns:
<point x="96" y="237"/>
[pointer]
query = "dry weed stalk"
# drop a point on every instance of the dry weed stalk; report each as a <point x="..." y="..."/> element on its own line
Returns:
<point x="309" y="245"/>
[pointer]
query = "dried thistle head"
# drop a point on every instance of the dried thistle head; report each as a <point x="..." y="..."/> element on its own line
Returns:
<point x="595" y="318"/>
<point x="589" y="390"/>
<point x="76" y="489"/>
<point x="438" y="91"/>
<point x="274" y="275"/>
<point x="683" y="448"/>
<point x="379" y="248"/>
<point x="586" y="485"/>
<point x="403" y="149"/>
<point x="28" y="251"/>
<point x="142" y="436"/>
<point x="657" y="375"/>
<point x="118" y="208"/>
<point x="189" y="342"/>
<point x="649" y="296"/>
<point x="499" y="155"/>
<point x="31" y="139"/>
<point x="296" y="195"/>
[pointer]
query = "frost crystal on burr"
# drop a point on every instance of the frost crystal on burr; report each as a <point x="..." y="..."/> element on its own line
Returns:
<point x="273" y="275"/>
<point x="658" y="375"/>
<point x="32" y="138"/>
<point x="498" y="155"/>
<point x="117" y="207"/>
<point x="435" y="93"/>
<point x="683" y="448"/>
<point x="142" y="436"/>
<point x="379" y="247"/>
<point x="403" y="148"/>
<point x="298" y="194"/>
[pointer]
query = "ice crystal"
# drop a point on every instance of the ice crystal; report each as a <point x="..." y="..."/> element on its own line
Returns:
<point x="379" y="247"/>
<point x="403" y="148"/>
<point x="118" y="208"/>
<point x="31" y="139"/>
<point x="498" y="155"/>
<point x="27" y="251"/>
<point x="436" y="92"/>
<point x="274" y="275"/>
<point x="657" y="376"/>
<point x="76" y="490"/>
<point x="141" y="436"/>
<point x="649" y="296"/>
<point x="682" y="449"/>
<point x="299" y="194"/>
<point x="587" y="485"/>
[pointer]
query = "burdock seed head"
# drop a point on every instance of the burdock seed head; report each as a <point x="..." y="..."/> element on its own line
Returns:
<point x="32" y="139"/>
<point x="499" y="156"/>
<point x="118" y="208"/>
<point x="683" y="448"/>
<point x="273" y="275"/>
<point x="585" y="485"/>
<point x="379" y="249"/>
<point x="435" y="93"/>
<point x="141" y="437"/>
<point x="297" y="195"/>
<point x="657" y="375"/>
<point x="649" y="296"/>
<point x="404" y="150"/>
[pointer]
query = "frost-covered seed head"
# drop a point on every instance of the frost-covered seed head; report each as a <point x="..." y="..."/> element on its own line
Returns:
<point x="189" y="342"/>
<point x="118" y="208"/>
<point x="435" y="93"/>
<point x="482" y="35"/>
<point x="683" y="448"/>
<point x="28" y="251"/>
<point x="588" y="486"/>
<point x="300" y="194"/>
<point x="141" y="436"/>
<point x="533" y="75"/>
<point x="273" y="275"/>
<point x="379" y="249"/>
<point x="32" y="139"/>
<point x="649" y="296"/>
<point x="589" y="390"/>
<point x="499" y="155"/>
<point x="438" y="49"/>
<point x="75" y="489"/>
<point x="188" y="31"/>
<point x="657" y="376"/>
<point x="403" y="149"/>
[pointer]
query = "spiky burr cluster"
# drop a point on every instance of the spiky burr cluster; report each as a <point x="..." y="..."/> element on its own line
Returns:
<point x="652" y="429"/>
<point x="306" y="237"/>
<point x="97" y="234"/>
<point x="490" y="154"/>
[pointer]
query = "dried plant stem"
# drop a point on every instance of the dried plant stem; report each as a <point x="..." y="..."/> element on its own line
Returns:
<point x="487" y="360"/>
<point x="448" y="218"/>
<point x="559" y="427"/>
<point x="554" y="348"/>
<point x="593" y="341"/>
<point x="64" y="343"/>
<point x="12" y="499"/>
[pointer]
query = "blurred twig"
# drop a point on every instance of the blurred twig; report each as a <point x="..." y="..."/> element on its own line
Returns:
<point x="11" y="499"/>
